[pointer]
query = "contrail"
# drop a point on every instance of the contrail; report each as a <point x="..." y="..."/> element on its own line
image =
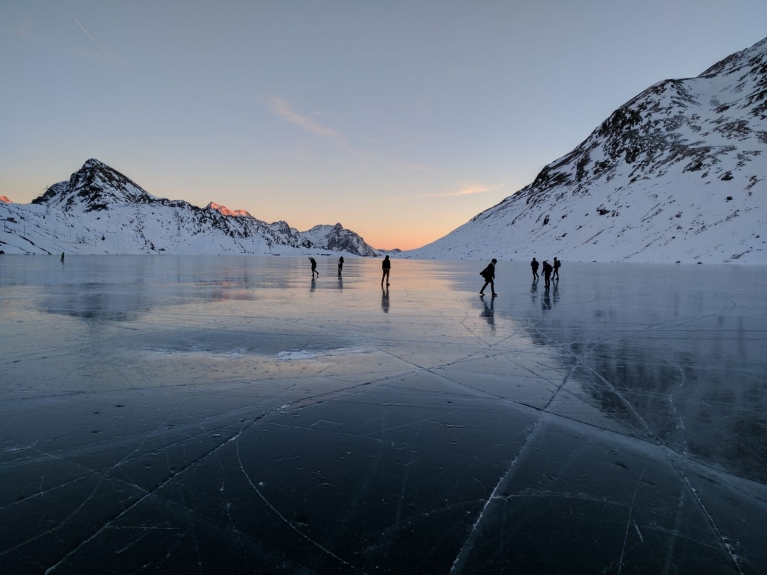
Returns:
<point x="91" y="37"/>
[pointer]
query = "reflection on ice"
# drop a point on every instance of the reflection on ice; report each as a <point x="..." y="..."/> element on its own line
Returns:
<point x="179" y="414"/>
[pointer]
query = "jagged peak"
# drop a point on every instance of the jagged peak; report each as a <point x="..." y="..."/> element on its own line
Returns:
<point x="5" y="200"/>
<point x="226" y="211"/>
<point x="93" y="163"/>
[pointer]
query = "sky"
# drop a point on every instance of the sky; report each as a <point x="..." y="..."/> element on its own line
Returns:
<point x="400" y="120"/>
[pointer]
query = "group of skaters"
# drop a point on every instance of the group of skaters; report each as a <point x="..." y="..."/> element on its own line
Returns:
<point x="385" y="265"/>
<point x="550" y="271"/>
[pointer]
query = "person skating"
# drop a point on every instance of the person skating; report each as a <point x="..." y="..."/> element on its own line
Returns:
<point x="557" y="265"/>
<point x="314" y="267"/>
<point x="340" y="264"/>
<point x="547" y="273"/>
<point x="62" y="256"/>
<point x="489" y="275"/>
<point x="534" y="265"/>
<point x="386" y="267"/>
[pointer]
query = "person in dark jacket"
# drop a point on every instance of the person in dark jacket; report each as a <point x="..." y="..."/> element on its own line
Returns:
<point x="489" y="274"/>
<point x="314" y="267"/>
<point x="340" y="264"/>
<point x="557" y="265"/>
<point x="534" y="265"/>
<point x="386" y="267"/>
<point x="547" y="273"/>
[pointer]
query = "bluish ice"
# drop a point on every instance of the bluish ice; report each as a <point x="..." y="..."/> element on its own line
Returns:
<point x="163" y="414"/>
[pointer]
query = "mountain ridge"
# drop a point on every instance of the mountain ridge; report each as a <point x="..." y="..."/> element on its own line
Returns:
<point x="100" y="210"/>
<point x="691" y="147"/>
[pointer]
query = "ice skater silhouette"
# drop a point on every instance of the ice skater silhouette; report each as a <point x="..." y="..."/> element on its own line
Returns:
<point x="489" y="275"/>
<point x="557" y="265"/>
<point x="534" y="265"/>
<point x="547" y="273"/>
<point x="386" y="267"/>
<point x="340" y="264"/>
<point x="314" y="267"/>
<point x="62" y="256"/>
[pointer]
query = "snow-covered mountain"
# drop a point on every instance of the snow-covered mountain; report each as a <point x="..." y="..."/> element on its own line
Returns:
<point x="676" y="174"/>
<point x="100" y="211"/>
<point x="339" y="239"/>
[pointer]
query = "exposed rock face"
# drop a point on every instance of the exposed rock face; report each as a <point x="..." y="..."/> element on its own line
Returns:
<point x="339" y="239"/>
<point x="99" y="210"/>
<point x="226" y="211"/>
<point x="676" y="174"/>
<point x="5" y="200"/>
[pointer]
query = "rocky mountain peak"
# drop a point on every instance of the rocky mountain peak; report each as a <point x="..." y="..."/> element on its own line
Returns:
<point x="94" y="187"/>
<point x="5" y="200"/>
<point x="226" y="211"/>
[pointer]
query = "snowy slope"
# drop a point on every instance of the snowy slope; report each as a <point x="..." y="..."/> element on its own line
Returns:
<point x="676" y="174"/>
<point x="100" y="211"/>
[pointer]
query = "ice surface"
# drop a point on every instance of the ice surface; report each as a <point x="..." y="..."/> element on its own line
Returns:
<point x="179" y="414"/>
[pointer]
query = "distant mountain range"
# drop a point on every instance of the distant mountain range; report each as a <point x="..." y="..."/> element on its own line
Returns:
<point x="676" y="174"/>
<point x="100" y="211"/>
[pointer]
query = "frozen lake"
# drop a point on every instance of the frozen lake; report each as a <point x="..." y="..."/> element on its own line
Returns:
<point x="229" y="415"/>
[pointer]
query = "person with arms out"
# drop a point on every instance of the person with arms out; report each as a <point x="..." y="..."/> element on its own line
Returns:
<point x="557" y="265"/>
<point x="534" y="265"/>
<point x="314" y="267"/>
<point x="386" y="267"/>
<point x="489" y="275"/>
<point x="340" y="264"/>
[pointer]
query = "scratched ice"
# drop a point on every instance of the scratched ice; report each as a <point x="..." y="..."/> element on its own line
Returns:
<point x="229" y="415"/>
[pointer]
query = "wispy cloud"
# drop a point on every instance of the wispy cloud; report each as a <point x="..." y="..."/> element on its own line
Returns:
<point x="281" y="108"/>
<point x="468" y="191"/>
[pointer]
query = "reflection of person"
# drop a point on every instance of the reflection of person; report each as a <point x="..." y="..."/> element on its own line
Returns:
<point x="534" y="265"/>
<point x="557" y="265"/>
<point x="314" y="285"/>
<point x="547" y="273"/>
<point x="385" y="299"/>
<point x="488" y="312"/>
<point x="386" y="267"/>
<point x="489" y="274"/>
<point x="534" y="290"/>
<point x="314" y="267"/>
<point x="546" y="302"/>
<point x="340" y="264"/>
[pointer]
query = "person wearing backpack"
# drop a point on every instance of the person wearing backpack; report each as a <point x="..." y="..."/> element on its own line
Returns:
<point x="557" y="265"/>
<point x="489" y="275"/>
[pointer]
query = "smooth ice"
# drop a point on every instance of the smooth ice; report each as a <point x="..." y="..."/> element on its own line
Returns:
<point x="229" y="415"/>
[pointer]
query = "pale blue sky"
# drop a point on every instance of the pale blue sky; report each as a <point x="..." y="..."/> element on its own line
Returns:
<point x="401" y="120"/>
